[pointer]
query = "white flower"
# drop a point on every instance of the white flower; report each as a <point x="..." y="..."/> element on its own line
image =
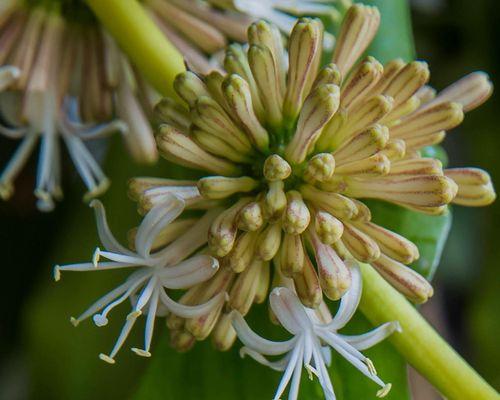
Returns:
<point x="312" y="340"/>
<point x="168" y="268"/>
<point x="48" y="123"/>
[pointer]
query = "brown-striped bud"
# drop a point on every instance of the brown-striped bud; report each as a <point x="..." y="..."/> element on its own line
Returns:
<point x="292" y="254"/>
<point x="307" y="285"/>
<point x="404" y="279"/>
<point x="328" y="228"/>
<point x="475" y="188"/>
<point x="296" y="216"/>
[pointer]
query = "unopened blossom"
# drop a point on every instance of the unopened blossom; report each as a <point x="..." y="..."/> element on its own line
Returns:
<point x="162" y="259"/>
<point x="313" y="339"/>
<point x="290" y="148"/>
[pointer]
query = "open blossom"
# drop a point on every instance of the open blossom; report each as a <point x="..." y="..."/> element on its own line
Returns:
<point x="313" y="340"/>
<point x="162" y="260"/>
<point x="291" y="148"/>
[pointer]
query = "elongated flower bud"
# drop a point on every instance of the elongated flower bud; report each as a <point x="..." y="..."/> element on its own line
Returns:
<point x="406" y="280"/>
<point x="334" y="275"/>
<point x="307" y="285"/>
<point x="318" y="109"/>
<point x="328" y="228"/>
<point x="304" y="57"/>
<point x="292" y="255"/>
<point x="358" y="29"/>
<point x="269" y="242"/>
<point x="220" y="187"/>
<point x="238" y="97"/>
<point x="179" y="148"/>
<point x="474" y="186"/>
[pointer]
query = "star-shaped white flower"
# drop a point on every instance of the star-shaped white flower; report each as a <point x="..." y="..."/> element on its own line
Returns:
<point x="312" y="340"/>
<point x="168" y="268"/>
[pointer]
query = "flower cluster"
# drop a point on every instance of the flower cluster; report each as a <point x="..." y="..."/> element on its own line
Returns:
<point x="65" y="78"/>
<point x="290" y="149"/>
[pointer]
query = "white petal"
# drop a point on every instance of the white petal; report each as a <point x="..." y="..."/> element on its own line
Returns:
<point x="294" y="365"/>
<point x="289" y="310"/>
<point x="349" y="355"/>
<point x="185" y="311"/>
<point x="105" y="235"/>
<point x="369" y="339"/>
<point x="190" y="272"/>
<point x="278" y="365"/>
<point x="324" y="377"/>
<point x="256" y="342"/>
<point x="155" y="221"/>
<point x="350" y="301"/>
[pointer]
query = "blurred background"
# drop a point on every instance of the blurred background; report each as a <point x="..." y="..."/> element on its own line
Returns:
<point x="454" y="36"/>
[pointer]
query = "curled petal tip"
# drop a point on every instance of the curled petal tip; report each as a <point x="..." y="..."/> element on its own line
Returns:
<point x="141" y="352"/>
<point x="106" y="358"/>
<point x="57" y="273"/>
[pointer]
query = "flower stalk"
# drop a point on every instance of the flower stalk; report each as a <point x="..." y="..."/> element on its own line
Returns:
<point x="419" y="343"/>
<point x="141" y="39"/>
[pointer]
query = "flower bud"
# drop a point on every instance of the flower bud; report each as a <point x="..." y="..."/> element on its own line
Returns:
<point x="236" y="62"/>
<point x="243" y="251"/>
<point x="439" y="117"/>
<point x="474" y="186"/>
<point x="334" y="275"/>
<point x="307" y="285"/>
<point x="328" y="228"/>
<point x="363" y="144"/>
<point x="275" y="200"/>
<point x="320" y="168"/>
<point x="242" y="294"/>
<point x="358" y="29"/>
<point x="171" y="112"/>
<point x="470" y="91"/>
<point x="223" y="230"/>
<point x="318" y="109"/>
<point x="304" y="54"/>
<point x="190" y="87"/>
<point x="250" y="218"/>
<point x="266" y="76"/>
<point x="276" y="168"/>
<point x="361" y="80"/>
<point x="223" y="335"/>
<point x="360" y="245"/>
<point x="408" y="80"/>
<point x="390" y="243"/>
<point x="291" y="254"/>
<point x="296" y="216"/>
<point x="269" y="242"/>
<point x="404" y="279"/>
<point x="238" y="96"/>
<point x="220" y="187"/>
<point x="181" y="149"/>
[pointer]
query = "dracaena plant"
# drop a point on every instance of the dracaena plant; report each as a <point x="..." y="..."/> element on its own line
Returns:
<point x="287" y="149"/>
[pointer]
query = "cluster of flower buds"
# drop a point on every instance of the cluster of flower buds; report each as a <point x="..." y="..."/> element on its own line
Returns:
<point x="289" y="149"/>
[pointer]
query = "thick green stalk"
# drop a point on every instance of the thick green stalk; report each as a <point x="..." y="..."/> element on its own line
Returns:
<point x="419" y="343"/>
<point x="141" y="39"/>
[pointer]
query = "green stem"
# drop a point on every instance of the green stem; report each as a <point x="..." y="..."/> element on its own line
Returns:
<point x="420" y="344"/>
<point x="141" y="39"/>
